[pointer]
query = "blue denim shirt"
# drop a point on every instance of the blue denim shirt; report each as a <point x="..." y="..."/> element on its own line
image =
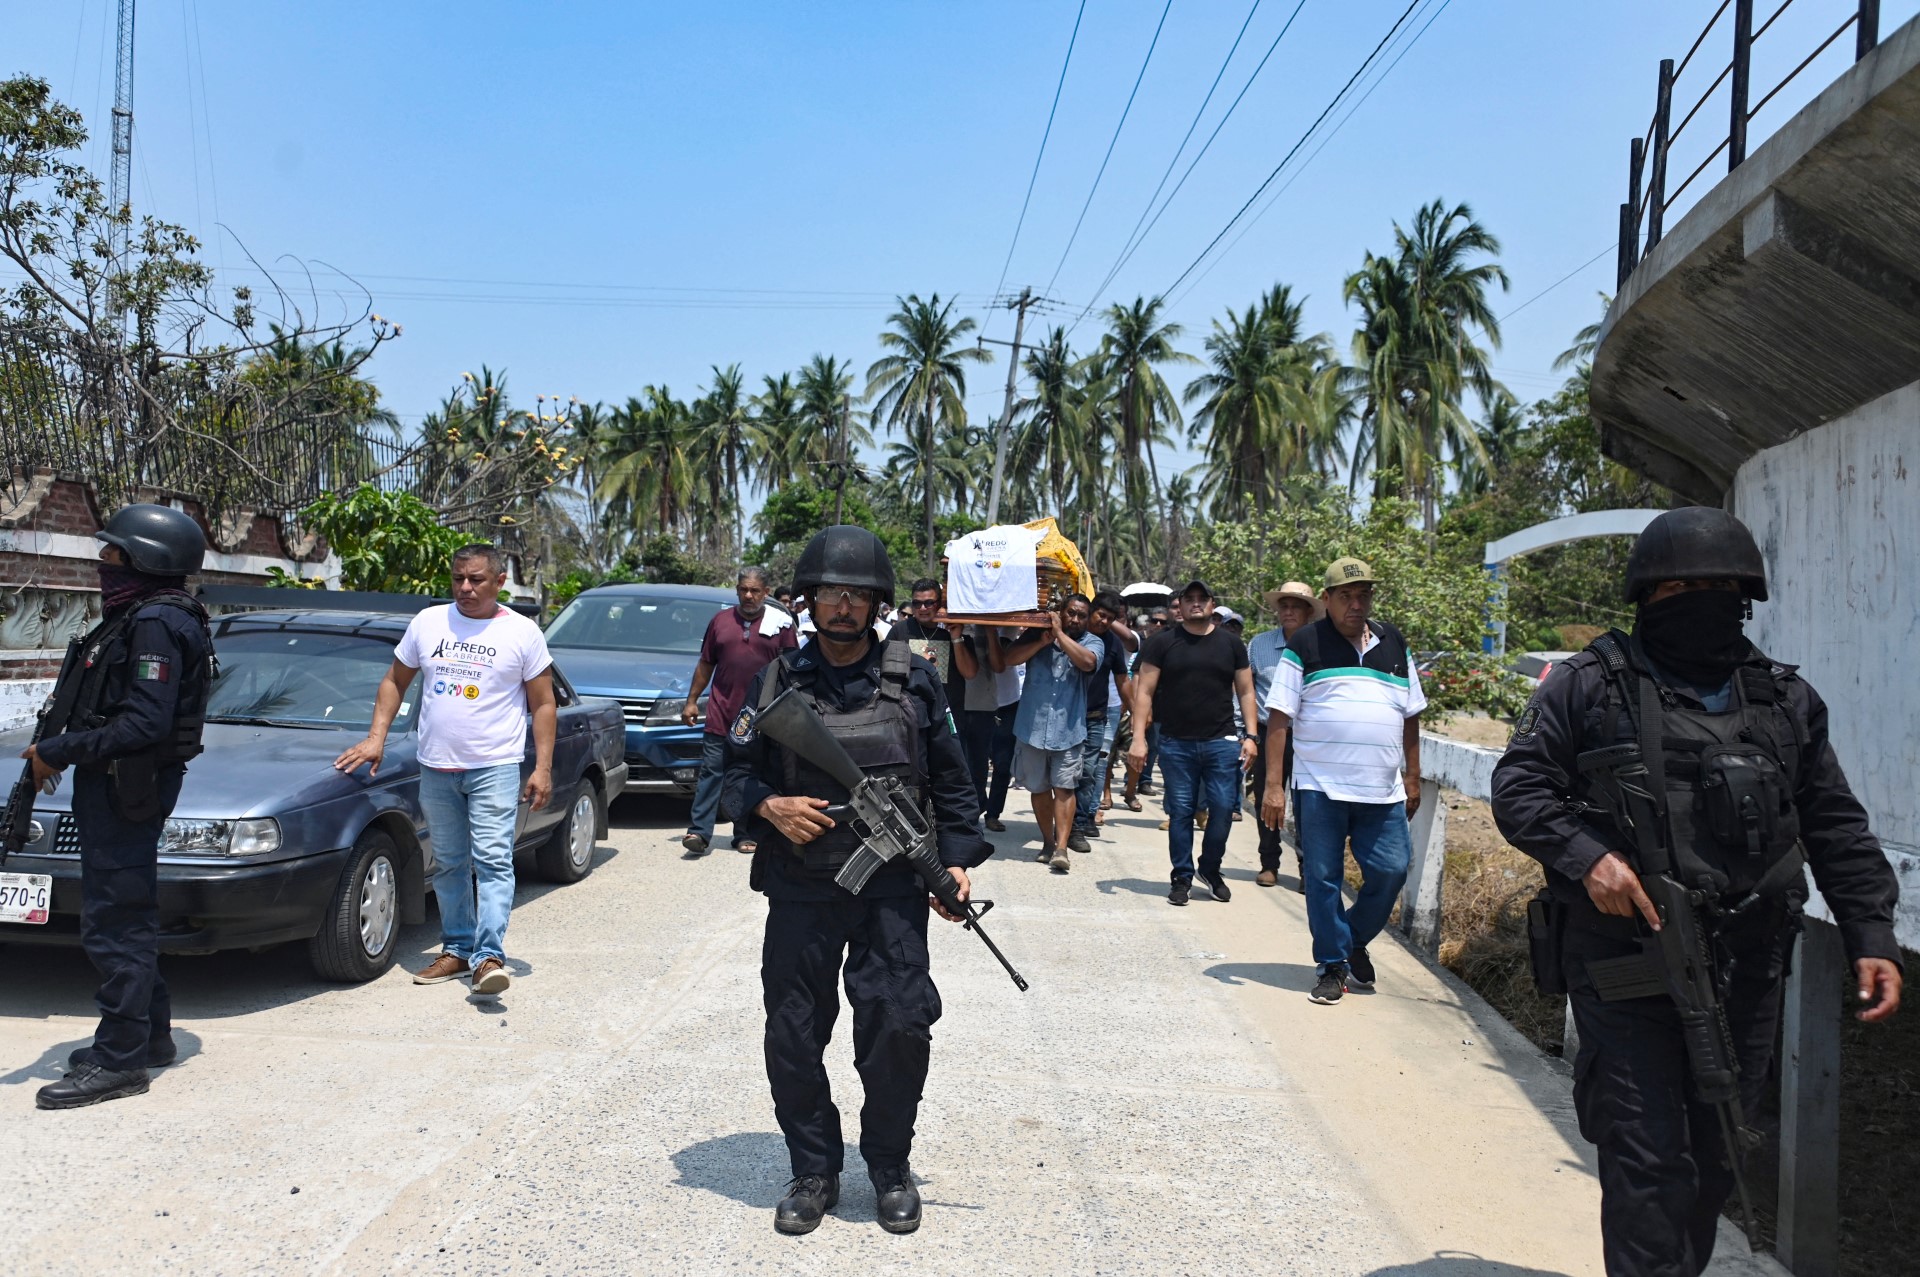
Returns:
<point x="1053" y="705"/>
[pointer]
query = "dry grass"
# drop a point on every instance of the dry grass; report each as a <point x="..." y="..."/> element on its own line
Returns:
<point x="1483" y="920"/>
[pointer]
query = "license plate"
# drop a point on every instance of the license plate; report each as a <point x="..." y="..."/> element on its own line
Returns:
<point x="25" y="897"/>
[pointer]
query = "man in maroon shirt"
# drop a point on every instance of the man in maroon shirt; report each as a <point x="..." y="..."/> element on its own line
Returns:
<point x="740" y="642"/>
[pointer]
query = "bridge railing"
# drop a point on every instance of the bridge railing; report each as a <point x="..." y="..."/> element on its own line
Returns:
<point x="1643" y="215"/>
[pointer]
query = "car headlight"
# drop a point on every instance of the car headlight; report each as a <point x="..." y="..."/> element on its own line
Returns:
<point x="254" y="837"/>
<point x="220" y="837"/>
<point x="666" y="712"/>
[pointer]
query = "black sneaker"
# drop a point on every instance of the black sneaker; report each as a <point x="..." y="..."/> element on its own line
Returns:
<point x="1360" y="968"/>
<point x="1181" y="890"/>
<point x="1077" y="841"/>
<point x="808" y="1199"/>
<point x="1331" y="986"/>
<point x="1217" y="884"/>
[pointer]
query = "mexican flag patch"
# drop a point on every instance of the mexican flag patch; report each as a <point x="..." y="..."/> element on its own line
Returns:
<point x="153" y="669"/>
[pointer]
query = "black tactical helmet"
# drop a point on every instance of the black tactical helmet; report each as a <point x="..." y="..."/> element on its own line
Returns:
<point x="845" y="555"/>
<point x="1695" y="543"/>
<point x="158" y="540"/>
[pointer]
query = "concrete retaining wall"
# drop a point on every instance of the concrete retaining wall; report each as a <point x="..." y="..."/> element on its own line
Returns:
<point x="1837" y="513"/>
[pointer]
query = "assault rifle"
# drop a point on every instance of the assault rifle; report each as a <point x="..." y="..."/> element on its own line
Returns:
<point x="1677" y="959"/>
<point x="51" y="721"/>
<point x="889" y="824"/>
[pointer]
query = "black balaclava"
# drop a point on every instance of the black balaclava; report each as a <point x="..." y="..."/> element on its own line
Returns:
<point x="1696" y="635"/>
<point x="124" y="586"/>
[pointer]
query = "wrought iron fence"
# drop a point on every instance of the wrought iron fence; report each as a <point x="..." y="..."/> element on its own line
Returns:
<point x="168" y="430"/>
<point x="1648" y="155"/>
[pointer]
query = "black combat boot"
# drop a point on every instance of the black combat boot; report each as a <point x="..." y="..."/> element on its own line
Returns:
<point x="808" y="1199"/>
<point x="89" y="1084"/>
<point x="899" y="1200"/>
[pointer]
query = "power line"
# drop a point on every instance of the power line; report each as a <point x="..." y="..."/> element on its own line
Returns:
<point x="1045" y="134"/>
<point x="1556" y="283"/>
<point x="1112" y="142"/>
<point x="1258" y="191"/>
<point x="1139" y="236"/>
<point x="1273" y="199"/>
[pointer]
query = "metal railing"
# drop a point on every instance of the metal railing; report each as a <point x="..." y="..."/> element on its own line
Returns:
<point x="95" y="423"/>
<point x="1643" y="216"/>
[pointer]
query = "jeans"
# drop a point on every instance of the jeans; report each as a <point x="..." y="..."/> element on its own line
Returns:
<point x="471" y="818"/>
<point x="1093" y="770"/>
<point x="1153" y="754"/>
<point x="706" y="791"/>
<point x="989" y="744"/>
<point x="1194" y="769"/>
<point x="1380" y="845"/>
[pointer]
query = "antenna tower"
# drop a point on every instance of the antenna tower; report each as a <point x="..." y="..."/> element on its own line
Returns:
<point x="121" y="184"/>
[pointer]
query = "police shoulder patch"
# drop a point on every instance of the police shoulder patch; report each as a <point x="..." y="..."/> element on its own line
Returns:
<point x="742" y="731"/>
<point x="1529" y="719"/>
<point x="152" y="667"/>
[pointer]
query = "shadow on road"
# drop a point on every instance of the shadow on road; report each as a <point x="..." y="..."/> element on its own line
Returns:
<point x="1453" y="1263"/>
<point x="52" y="1064"/>
<point x="750" y="1167"/>
<point x="1139" y="886"/>
<point x="1290" y="976"/>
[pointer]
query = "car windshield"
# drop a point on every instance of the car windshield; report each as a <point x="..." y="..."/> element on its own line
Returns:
<point x="301" y="678"/>
<point x="625" y="623"/>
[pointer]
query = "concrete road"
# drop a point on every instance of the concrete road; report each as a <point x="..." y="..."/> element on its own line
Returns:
<point x="1164" y="1101"/>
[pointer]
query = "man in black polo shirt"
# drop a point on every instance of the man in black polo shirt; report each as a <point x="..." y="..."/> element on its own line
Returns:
<point x="1190" y="677"/>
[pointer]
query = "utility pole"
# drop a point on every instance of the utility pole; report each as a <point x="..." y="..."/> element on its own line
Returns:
<point x="1019" y="307"/>
<point x="840" y="464"/>
<point x="120" y="189"/>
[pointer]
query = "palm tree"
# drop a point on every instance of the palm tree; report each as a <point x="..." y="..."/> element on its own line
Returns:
<point x="1049" y="444"/>
<point x="776" y="412"/>
<point x="728" y="446"/>
<point x="1586" y="341"/>
<point x="921" y="385"/>
<point x="826" y="425"/>
<point x="1499" y="434"/>
<point x="1134" y="348"/>
<point x="1416" y="350"/>
<point x="1262" y="372"/>
<point x="648" y="476"/>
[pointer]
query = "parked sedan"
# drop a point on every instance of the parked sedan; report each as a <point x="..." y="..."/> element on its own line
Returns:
<point x="639" y="644"/>
<point x="269" y="843"/>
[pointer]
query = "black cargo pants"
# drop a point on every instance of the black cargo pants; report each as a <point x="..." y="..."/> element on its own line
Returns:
<point x="1664" y="1171"/>
<point x="884" y="944"/>
<point x="120" y="918"/>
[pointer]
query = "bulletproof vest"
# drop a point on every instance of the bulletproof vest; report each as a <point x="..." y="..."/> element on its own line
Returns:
<point x="105" y="669"/>
<point x="880" y="736"/>
<point x="1730" y="777"/>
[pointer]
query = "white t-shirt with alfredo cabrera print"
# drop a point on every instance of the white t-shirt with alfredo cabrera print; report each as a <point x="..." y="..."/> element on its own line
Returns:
<point x="473" y="676"/>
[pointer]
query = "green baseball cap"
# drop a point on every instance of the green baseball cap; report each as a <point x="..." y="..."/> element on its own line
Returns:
<point x="1348" y="572"/>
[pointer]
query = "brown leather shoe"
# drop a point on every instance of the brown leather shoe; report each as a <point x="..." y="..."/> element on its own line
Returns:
<point x="1267" y="878"/>
<point x="445" y="967"/>
<point x="491" y="976"/>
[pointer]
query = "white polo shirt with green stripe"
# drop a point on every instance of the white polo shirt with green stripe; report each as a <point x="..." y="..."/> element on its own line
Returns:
<point x="1348" y="708"/>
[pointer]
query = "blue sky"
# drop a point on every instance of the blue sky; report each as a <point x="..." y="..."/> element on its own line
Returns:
<point x="598" y="196"/>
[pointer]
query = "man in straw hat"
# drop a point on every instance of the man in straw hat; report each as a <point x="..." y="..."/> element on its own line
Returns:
<point x="1292" y="606"/>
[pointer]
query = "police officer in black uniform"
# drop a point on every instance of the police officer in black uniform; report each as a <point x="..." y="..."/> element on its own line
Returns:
<point x="887" y="708"/>
<point x="1752" y="792"/>
<point x="144" y="674"/>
